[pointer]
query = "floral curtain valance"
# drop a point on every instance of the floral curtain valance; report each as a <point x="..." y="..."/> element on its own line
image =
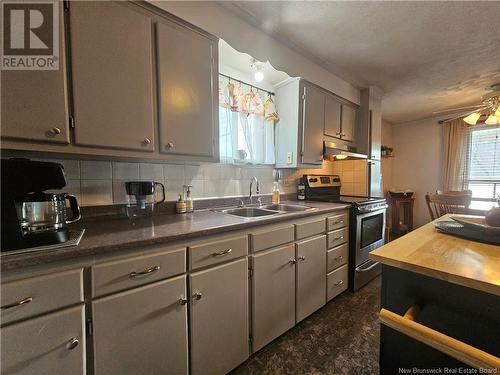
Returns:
<point x="245" y="99"/>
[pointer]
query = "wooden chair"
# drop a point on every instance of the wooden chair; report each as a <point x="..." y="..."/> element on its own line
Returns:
<point x="452" y="202"/>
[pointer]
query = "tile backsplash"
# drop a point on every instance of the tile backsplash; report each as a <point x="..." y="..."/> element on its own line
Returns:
<point x="96" y="182"/>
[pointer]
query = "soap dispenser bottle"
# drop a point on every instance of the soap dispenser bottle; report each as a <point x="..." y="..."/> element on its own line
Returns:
<point x="189" y="199"/>
<point x="276" y="188"/>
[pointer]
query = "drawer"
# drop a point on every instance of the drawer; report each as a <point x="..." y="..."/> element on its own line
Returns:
<point x="337" y="237"/>
<point x="309" y="228"/>
<point x="271" y="238"/>
<point x="207" y="254"/>
<point x="337" y="257"/>
<point x="119" y="275"/>
<point x="337" y="221"/>
<point x="41" y="294"/>
<point x="336" y="282"/>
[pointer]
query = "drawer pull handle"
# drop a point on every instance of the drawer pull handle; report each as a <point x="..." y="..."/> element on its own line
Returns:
<point x="302" y="258"/>
<point x="18" y="303"/>
<point x="222" y="253"/>
<point x="183" y="301"/>
<point x="146" y="272"/>
<point x="338" y="222"/>
<point x="340" y="257"/>
<point x="292" y="260"/>
<point x="72" y="343"/>
<point x="339" y="283"/>
<point x="337" y="238"/>
<point x="445" y="344"/>
<point x="197" y="296"/>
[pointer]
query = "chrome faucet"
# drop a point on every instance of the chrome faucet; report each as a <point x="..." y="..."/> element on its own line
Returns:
<point x="251" y="184"/>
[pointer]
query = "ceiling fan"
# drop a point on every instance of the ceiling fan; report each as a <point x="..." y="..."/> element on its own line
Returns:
<point x="489" y="109"/>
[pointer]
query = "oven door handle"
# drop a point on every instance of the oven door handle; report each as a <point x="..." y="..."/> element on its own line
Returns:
<point x="360" y="269"/>
<point x="363" y="211"/>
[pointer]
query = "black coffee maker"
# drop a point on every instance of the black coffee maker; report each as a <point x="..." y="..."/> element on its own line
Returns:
<point x="31" y="217"/>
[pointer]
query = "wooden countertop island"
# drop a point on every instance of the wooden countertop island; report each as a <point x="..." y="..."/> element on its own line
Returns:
<point x="440" y="304"/>
<point x="444" y="257"/>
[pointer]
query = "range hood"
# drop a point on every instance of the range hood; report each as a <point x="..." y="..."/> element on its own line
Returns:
<point x="339" y="151"/>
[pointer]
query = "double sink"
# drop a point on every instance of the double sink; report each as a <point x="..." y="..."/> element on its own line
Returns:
<point x="252" y="211"/>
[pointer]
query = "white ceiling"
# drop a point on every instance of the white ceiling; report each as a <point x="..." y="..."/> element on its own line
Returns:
<point x="425" y="56"/>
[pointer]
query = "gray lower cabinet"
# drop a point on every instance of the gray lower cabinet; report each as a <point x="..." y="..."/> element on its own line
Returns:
<point x="142" y="331"/>
<point x="273" y="294"/>
<point x="310" y="276"/>
<point x="51" y="344"/>
<point x="34" y="104"/>
<point x="112" y="73"/>
<point x="219" y="318"/>
<point x="187" y="89"/>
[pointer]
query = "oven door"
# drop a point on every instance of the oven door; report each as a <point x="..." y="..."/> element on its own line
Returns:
<point x="370" y="233"/>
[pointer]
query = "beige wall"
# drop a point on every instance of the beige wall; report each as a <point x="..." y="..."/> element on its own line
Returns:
<point x="387" y="162"/>
<point x="417" y="161"/>
<point x="244" y="37"/>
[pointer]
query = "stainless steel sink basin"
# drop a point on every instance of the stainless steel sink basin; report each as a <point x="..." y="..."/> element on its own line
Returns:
<point x="287" y="207"/>
<point x="248" y="212"/>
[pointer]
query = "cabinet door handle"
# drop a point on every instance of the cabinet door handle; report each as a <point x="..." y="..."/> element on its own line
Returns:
<point x="339" y="257"/>
<point x="197" y="296"/>
<point x="339" y="283"/>
<point x="18" y="303"/>
<point x="445" y="344"/>
<point x="146" y="272"/>
<point x="147" y="141"/>
<point x="338" y="222"/>
<point x="337" y="238"/>
<point x="72" y="343"/>
<point x="337" y="133"/>
<point x="292" y="260"/>
<point x="222" y="253"/>
<point x="169" y="145"/>
<point x="302" y="258"/>
<point x="182" y="301"/>
<point x="55" y="131"/>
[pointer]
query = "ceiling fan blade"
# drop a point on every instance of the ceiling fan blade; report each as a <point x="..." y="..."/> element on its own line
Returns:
<point x="453" y="110"/>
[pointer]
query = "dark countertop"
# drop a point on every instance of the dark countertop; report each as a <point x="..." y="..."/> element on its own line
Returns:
<point x="107" y="235"/>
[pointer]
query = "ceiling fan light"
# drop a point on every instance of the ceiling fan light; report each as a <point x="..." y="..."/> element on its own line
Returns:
<point x="472" y="118"/>
<point x="492" y="120"/>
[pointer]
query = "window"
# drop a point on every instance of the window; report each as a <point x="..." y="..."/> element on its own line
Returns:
<point x="483" y="165"/>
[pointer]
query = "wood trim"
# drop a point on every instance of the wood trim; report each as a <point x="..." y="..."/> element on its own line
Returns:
<point x="437" y="340"/>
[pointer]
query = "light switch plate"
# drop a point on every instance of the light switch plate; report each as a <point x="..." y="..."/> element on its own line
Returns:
<point x="289" y="157"/>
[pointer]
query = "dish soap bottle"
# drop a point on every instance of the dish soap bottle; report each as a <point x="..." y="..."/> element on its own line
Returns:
<point x="276" y="188"/>
<point x="189" y="199"/>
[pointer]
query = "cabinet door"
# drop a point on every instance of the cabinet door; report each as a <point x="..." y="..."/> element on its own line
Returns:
<point x="313" y="113"/>
<point x="142" y="331"/>
<point x="332" y="117"/>
<point x="375" y="134"/>
<point x="34" y="103"/>
<point x="273" y="294"/>
<point x="348" y="122"/>
<point x="311" y="276"/>
<point x="51" y="344"/>
<point x="219" y="318"/>
<point x="187" y="82"/>
<point x="112" y="75"/>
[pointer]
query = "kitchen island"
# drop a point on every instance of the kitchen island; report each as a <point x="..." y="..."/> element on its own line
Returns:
<point x="440" y="306"/>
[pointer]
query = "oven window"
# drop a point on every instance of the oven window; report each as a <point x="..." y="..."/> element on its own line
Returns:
<point x="371" y="229"/>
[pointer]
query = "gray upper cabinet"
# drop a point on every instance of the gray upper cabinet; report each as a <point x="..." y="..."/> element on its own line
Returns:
<point x="348" y="123"/>
<point x="187" y="88"/>
<point x="273" y="294"/>
<point x="142" y="331"/>
<point x="313" y="120"/>
<point x="112" y="72"/>
<point x="333" y="110"/>
<point x="311" y="276"/>
<point x="219" y="318"/>
<point x="51" y="344"/>
<point x="34" y="103"/>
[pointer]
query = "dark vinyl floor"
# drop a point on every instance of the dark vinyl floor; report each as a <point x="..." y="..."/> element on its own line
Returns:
<point x="340" y="338"/>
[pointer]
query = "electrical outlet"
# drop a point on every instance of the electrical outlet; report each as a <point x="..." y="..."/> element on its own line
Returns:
<point x="289" y="157"/>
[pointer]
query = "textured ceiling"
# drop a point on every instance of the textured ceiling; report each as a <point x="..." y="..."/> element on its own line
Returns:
<point x="425" y="56"/>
